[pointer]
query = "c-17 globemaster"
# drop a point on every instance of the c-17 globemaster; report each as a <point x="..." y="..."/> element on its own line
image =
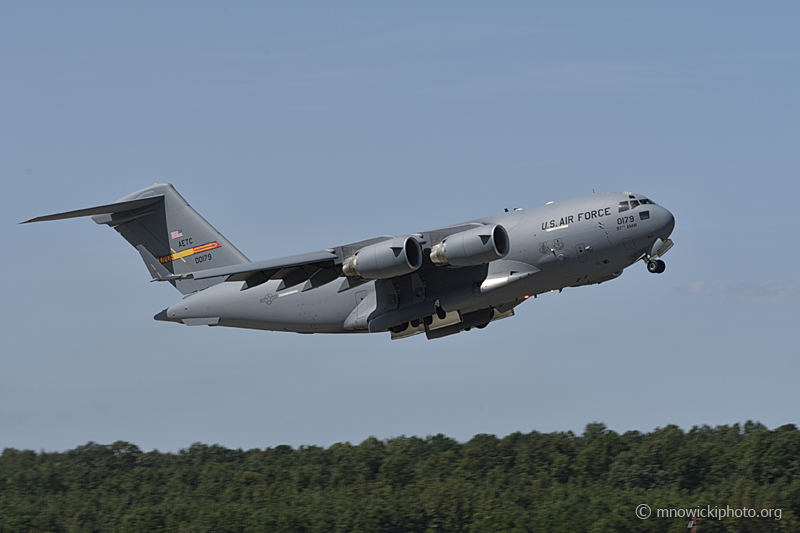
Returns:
<point x="436" y="282"/>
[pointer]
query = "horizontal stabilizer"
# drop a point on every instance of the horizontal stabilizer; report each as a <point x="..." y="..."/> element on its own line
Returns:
<point x="108" y="209"/>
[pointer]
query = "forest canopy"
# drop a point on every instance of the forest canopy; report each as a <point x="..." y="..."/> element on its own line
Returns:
<point x="521" y="482"/>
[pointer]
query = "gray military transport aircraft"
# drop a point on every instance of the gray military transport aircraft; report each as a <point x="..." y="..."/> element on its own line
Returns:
<point x="436" y="282"/>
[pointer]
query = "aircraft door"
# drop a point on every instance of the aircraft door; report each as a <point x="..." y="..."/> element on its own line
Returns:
<point x="581" y="251"/>
<point x="365" y="305"/>
<point x="361" y="306"/>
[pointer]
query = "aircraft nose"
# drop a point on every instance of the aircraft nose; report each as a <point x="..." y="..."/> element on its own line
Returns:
<point x="668" y="224"/>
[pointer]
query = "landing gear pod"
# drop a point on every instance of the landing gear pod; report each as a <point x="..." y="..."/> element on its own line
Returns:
<point x="386" y="259"/>
<point x="472" y="247"/>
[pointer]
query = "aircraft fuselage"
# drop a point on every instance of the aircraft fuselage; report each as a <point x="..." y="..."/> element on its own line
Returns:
<point x="569" y="243"/>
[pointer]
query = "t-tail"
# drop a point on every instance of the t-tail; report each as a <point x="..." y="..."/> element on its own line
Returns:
<point x="172" y="238"/>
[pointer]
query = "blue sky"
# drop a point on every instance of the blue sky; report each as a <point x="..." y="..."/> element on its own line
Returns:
<point x="298" y="126"/>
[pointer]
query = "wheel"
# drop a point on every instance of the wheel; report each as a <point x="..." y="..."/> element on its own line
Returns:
<point x="415" y="323"/>
<point x="428" y="320"/>
<point x="656" y="267"/>
<point x="441" y="313"/>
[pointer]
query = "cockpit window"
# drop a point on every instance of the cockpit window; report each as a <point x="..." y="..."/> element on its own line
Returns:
<point x="634" y="204"/>
<point x="645" y="201"/>
<point x="623" y="206"/>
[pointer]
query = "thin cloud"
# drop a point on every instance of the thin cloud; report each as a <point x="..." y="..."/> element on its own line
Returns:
<point x="750" y="293"/>
<point x="524" y="165"/>
<point x="562" y="77"/>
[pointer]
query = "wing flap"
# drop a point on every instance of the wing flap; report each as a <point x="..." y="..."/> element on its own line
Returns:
<point x="242" y="272"/>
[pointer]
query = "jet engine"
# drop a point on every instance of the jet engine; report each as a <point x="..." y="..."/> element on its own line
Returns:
<point x="472" y="247"/>
<point x="387" y="259"/>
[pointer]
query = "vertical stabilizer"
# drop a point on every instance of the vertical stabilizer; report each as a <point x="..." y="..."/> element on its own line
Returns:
<point x="175" y="235"/>
<point x="164" y="228"/>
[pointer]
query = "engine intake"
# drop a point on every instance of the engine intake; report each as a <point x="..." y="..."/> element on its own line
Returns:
<point x="472" y="247"/>
<point x="386" y="259"/>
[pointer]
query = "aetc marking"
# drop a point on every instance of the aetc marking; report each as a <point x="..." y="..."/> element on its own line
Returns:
<point x="571" y="219"/>
<point x="191" y="251"/>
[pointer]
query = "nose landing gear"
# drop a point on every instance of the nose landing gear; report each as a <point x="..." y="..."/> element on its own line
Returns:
<point x="659" y="248"/>
<point x="656" y="266"/>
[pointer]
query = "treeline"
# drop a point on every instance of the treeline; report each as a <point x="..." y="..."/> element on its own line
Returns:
<point x="522" y="482"/>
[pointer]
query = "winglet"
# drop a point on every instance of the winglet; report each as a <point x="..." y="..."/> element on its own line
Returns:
<point x="156" y="269"/>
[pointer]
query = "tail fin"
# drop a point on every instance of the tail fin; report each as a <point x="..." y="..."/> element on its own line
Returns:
<point x="170" y="236"/>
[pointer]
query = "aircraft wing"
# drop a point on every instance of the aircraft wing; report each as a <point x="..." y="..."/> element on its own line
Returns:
<point x="316" y="267"/>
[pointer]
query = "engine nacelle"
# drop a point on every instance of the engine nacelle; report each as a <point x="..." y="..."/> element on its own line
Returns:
<point x="387" y="259"/>
<point x="472" y="247"/>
